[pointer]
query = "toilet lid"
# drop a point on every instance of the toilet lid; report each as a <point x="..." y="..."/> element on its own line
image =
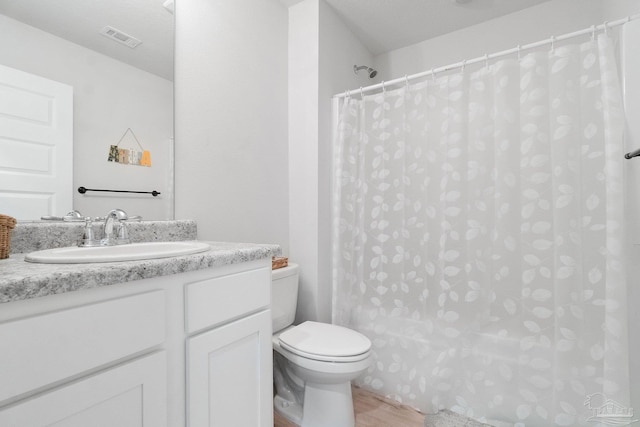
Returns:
<point x="322" y="340"/>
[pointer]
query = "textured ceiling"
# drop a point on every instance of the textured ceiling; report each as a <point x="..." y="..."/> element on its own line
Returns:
<point x="384" y="25"/>
<point x="80" y="20"/>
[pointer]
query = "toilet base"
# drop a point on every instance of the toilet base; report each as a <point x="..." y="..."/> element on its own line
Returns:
<point x="292" y="411"/>
<point x="328" y="405"/>
<point x="317" y="398"/>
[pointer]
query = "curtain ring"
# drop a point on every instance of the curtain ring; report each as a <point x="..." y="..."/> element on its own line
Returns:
<point x="464" y="65"/>
<point x="406" y="80"/>
<point x="519" y="49"/>
<point x="593" y="33"/>
<point x="606" y="28"/>
<point x="553" y="44"/>
<point x="433" y="74"/>
<point x="486" y="60"/>
<point x="384" y="89"/>
<point x="361" y="93"/>
<point x="348" y="93"/>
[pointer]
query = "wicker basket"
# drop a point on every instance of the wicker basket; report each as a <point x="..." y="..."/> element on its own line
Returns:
<point x="279" y="262"/>
<point x="6" y="225"/>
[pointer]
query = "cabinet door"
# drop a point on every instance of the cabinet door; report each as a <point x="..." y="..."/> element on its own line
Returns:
<point x="46" y="349"/>
<point x="229" y="375"/>
<point x="130" y="395"/>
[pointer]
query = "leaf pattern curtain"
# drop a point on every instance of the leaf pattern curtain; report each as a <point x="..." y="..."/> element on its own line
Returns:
<point x="478" y="237"/>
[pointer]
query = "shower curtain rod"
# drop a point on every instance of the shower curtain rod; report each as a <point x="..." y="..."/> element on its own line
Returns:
<point x="593" y="29"/>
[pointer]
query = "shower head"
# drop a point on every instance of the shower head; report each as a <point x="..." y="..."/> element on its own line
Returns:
<point x="371" y="71"/>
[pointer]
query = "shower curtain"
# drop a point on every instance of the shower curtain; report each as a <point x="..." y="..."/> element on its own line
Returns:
<point x="478" y="237"/>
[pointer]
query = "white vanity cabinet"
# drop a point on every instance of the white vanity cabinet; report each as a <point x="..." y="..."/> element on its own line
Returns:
<point x="190" y="349"/>
<point x="129" y="395"/>
<point x="55" y="347"/>
<point x="229" y="365"/>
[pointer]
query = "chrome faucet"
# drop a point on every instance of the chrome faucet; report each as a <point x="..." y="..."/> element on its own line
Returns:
<point x="119" y="237"/>
<point x="88" y="237"/>
<point x="74" y="215"/>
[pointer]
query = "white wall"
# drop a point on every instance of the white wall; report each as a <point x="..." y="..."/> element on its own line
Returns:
<point x="109" y="97"/>
<point x="617" y="9"/>
<point x="304" y="66"/>
<point x="231" y="119"/>
<point x="527" y="26"/>
<point x="340" y="50"/>
<point x="322" y="52"/>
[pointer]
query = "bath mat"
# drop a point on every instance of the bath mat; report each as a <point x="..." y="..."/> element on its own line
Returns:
<point x="446" y="418"/>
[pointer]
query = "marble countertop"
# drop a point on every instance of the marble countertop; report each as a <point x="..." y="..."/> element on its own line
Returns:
<point x="20" y="280"/>
<point x="29" y="236"/>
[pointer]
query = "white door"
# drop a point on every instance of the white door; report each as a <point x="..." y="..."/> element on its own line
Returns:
<point x="229" y="375"/>
<point x="130" y="395"/>
<point x="36" y="145"/>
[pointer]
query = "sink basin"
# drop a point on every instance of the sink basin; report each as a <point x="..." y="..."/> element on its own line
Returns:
<point x="130" y="252"/>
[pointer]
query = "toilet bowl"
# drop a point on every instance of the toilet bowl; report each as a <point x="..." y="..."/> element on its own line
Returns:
<point x="314" y="363"/>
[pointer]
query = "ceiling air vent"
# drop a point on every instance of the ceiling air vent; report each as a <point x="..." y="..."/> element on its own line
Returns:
<point x="120" y="37"/>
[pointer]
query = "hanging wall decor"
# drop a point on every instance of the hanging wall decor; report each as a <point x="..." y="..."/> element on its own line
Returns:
<point x="128" y="156"/>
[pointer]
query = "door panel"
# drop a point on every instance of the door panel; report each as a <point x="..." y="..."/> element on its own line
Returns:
<point x="36" y="145"/>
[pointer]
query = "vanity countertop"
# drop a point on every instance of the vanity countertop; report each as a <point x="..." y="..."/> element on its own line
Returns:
<point x="29" y="236"/>
<point x="20" y="280"/>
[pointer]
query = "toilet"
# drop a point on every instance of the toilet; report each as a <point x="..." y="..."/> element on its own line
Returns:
<point x="314" y="362"/>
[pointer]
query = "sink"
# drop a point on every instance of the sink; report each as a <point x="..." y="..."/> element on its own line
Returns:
<point x="130" y="252"/>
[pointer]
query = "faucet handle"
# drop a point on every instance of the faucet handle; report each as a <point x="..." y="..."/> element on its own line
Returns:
<point x="123" y="233"/>
<point x="88" y="237"/>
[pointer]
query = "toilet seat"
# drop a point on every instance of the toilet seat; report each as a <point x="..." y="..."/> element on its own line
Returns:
<point x="325" y="368"/>
<point x="325" y="342"/>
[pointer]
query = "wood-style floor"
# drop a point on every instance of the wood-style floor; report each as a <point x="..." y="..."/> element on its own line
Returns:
<point x="374" y="411"/>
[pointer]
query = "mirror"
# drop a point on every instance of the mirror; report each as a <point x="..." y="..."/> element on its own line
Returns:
<point x="122" y="95"/>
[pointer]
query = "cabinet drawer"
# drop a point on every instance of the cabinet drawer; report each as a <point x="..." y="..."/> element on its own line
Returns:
<point x="213" y="301"/>
<point x="130" y="395"/>
<point x="42" y="350"/>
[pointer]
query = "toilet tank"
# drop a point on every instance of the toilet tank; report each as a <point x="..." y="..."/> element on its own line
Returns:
<point x="284" y="296"/>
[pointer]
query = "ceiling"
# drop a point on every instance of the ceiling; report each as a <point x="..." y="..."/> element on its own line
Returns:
<point x="80" y="21"/>
<point x="381" y="25"/>
<point x="384" y="25"/>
